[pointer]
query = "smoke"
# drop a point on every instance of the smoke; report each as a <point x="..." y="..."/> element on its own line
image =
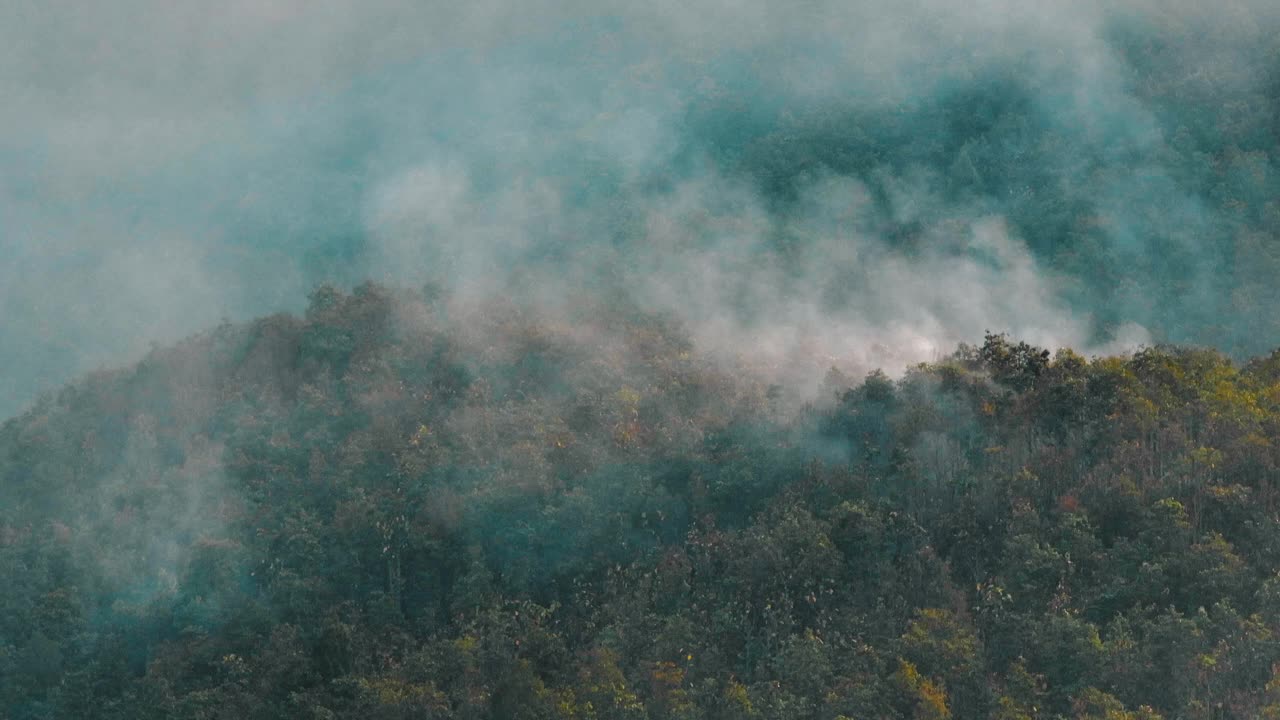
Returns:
<point x="803" y="185"/>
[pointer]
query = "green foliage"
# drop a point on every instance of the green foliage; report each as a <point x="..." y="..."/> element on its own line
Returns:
<point x="377" y="512"/>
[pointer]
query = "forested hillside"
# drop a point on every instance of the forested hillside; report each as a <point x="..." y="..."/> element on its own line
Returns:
<point x="394" y="507"/>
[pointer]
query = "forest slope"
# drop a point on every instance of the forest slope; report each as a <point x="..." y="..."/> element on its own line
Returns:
<point x="390" y="508"/>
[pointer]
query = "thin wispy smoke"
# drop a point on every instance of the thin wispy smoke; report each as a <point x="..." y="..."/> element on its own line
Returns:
<point x="801" y="185"/>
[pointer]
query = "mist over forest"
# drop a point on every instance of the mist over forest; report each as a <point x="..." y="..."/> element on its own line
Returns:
<point x="588" y="360"/>
<point x="872" y="182"/>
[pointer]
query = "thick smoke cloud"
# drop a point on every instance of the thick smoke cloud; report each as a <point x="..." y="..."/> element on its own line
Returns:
<point x="802" y="184"/>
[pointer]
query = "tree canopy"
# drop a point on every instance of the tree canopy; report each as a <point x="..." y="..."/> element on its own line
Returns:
<point x="392" y="509"/>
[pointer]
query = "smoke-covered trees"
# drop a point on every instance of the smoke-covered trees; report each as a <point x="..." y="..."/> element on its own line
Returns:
<point x="385" y="510"/>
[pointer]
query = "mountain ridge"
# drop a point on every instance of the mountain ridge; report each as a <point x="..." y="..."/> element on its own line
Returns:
<point x="397" y="507"/>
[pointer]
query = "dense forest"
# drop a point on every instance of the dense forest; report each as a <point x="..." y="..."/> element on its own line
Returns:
<point x="398" y="507"/>
<point x="547" y="382"/>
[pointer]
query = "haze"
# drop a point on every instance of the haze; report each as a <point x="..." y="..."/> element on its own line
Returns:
<point x="802" y="185"/>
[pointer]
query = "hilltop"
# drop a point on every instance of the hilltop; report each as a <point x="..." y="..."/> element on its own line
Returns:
<point x="395" y="507"/>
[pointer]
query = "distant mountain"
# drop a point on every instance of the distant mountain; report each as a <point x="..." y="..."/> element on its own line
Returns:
<point x="1075" y="174"/>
